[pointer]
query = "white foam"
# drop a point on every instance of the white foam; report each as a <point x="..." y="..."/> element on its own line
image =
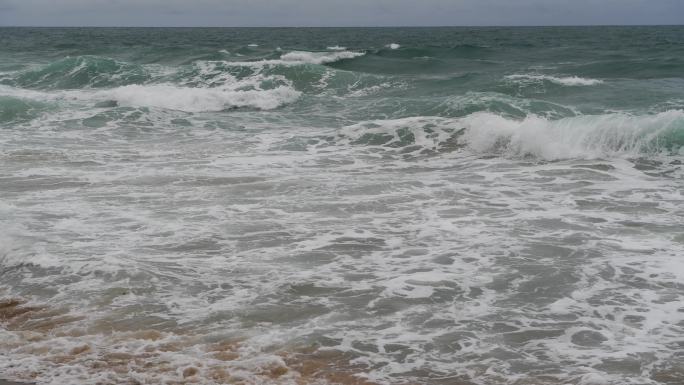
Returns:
<point x="172" y="97"/>
<point x="201" y="99"/>
<point x="416" y="285"/>
<point x="337" y="48"/>
<point x="296" y="58"/>
<point x="303" y="57"/>
<point x="378" y="227"/>
<point x="394" y="127"/>
<point x="564" y="81"/>
<point x="594" y="379"/>
<point x="393" y="46"/>
<point x="23" y="93"/>
<point x="365" y="91"/>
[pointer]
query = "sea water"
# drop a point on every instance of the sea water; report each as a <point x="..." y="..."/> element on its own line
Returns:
<point x="490" y="206"/>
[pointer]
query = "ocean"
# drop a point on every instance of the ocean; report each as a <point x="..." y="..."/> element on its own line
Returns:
<point x="357" y="206"/>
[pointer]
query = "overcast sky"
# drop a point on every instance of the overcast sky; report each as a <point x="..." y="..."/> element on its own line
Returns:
<point x="236" y="13"/>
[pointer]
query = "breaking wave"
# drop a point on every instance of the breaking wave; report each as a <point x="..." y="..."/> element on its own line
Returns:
<point x="187" y="99"/>
<point x="297" y="58"/>
<point x="583" y="137"/>
<point x="83" y="72"/>
<point x="20" y="104"/>
<point x="318" y="57"/>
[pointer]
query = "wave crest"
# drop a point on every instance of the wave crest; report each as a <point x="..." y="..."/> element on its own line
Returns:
<point x="318" y="57"/>
<point x="82" y="72"/>
<point x="296" y="58"/>
<point x="200" y="99"/>
<point x="563" y="81"/>
<point x="583" y="137"/>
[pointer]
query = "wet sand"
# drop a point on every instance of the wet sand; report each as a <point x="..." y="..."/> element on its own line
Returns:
<point x="3" y="382"/>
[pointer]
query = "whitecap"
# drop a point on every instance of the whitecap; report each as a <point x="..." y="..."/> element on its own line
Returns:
<point x="564" y="81"/>
<point x="295" y="58"/>
<point x="304" y="57"/>
<point x="199" y="99"/>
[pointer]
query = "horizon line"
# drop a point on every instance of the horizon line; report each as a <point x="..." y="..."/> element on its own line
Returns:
<point x="351" y="26"/>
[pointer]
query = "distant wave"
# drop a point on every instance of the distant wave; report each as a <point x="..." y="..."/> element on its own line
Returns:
<point x="203" y="86"/>
<point x="82" y="71"/>
<point x="295" y="58"/>
<point x="318" y="57"/>
<point x="564" y="81"/>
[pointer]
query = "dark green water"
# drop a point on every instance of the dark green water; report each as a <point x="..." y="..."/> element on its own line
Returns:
<point x="408" y="205"/>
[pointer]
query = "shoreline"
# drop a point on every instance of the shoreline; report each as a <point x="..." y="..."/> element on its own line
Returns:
<point x="5" y="382"/>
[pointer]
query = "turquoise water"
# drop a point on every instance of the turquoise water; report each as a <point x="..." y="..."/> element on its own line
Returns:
<point x="300" y="206"/>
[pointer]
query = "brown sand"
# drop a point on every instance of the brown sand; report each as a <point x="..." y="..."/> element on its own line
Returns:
<point x="308" y="365"/>
<point x="3" y="382"/>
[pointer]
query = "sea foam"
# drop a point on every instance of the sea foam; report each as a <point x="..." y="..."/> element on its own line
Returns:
<point x="318" y="57"/>
<point x="296" y="58"/>
<point x="564" y="81"/>
<point x="172" y="97"/>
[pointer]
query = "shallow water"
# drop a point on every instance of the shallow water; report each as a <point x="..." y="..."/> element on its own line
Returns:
<point x="356" y="206"/>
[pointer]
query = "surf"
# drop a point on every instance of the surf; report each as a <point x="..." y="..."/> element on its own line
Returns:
<point x="578" y="137"/>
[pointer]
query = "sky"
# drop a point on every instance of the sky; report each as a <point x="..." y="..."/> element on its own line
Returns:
<point x="302" y="13"/>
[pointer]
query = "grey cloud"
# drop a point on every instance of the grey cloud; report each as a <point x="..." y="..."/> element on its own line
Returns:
<point x="338" y="12"/>
<point x="5" y="6"/>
